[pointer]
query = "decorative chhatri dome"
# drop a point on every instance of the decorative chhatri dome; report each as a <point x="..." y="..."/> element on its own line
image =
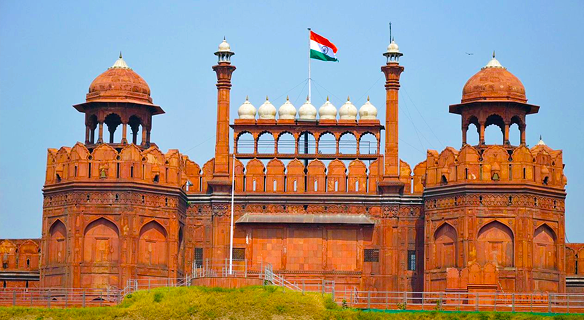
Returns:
<point x="493" y="83"/>
<point x="307" y="111"/>
<point x="327" y="111"/>
<point x="119" y="83"/>
<point x="247" y="110"/>
<point x="368" y="111"/>
<point x="287" y="111"/>
<point x="267" y="110"/>
<point x="348" y="111"/>
<point x="224" y="46"/>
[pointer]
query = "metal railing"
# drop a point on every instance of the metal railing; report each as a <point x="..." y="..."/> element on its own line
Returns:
<point x="59" y="297"/>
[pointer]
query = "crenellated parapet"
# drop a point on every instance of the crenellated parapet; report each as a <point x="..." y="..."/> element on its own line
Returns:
<point x="130" y="164"/>
<point x="496" y="165"/>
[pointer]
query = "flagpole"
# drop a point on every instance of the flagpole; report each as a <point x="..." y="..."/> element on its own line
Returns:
<point x="309" y="79"/>
<point x="232" y="203"/>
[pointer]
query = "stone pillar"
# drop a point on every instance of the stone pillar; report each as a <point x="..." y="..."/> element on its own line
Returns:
<point x="481" y="133"/>
<point x="464" y="131"/>
<point x="100" y="138"/>
<point x="522" y="129"/>
<point x="124" y="133"/>
<point x="143" y="142"/>
<point x="506" y="134"/>
<point x="87" y="133"/>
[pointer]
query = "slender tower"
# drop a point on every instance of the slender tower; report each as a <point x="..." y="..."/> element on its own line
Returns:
<point x="392" y="70"/>
<point x="221" y="182"/>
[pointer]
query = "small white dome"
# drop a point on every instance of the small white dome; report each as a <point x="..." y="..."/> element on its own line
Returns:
<point x="267" y="110"/>
<point x="368" y="111"/>
<point x="327" y="111"/>
<point x="393" y="47"/>
<point x="494" y="63"/>
<point x="287" y="111"/>
<point x="348" y="111"/>
<point x="247" y="110"/>
<point x="120" y="63"/>
<point x="307" y="111"/>
<point x="224" y="46"/>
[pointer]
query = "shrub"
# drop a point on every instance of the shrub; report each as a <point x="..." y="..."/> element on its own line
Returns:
<point x="158" y="296"/>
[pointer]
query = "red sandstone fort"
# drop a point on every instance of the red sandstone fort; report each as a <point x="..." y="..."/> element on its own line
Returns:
<point x="316" y="195"/>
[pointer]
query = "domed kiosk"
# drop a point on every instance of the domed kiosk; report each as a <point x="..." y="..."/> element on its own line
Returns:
<point x="493" y="96"/>
<point x="118" y="96"/>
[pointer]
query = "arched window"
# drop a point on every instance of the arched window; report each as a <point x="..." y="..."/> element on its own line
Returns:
<point x="544" y="248"/>
<point x="368" y="144"/>
<point x="57" y="243"/>
<point x="266" y="143"/>
<point x="152" y="246"/>
<point x="101" y="242"/>
<point x="495" y="245"/>
<point x="348" y="144"/>
<point x="286" y="143"/>
<point x="515" y="131"/>
<point x="446" y="246"/>
<point x="327" y="144"/>
<point x="245" y="143"/>
<point x="306" y="143"/>
<point x="472" y="131"/>
<point x="494" y="128"/>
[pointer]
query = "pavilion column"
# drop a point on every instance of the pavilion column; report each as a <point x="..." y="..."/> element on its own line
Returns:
<point x="522" y="129"/>
<point x="464" y="131"/>
<point x="87" y="133"/>
<point x="124" y="133"/>
<point x="506" y="134"/>
<point x="143" y="142"/>
<point x="148" y="136"/>
<point x="100" y="138"/>
<point x="481" y="133"/>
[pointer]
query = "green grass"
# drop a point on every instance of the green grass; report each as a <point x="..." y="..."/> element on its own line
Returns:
<point x="245" y="303"/>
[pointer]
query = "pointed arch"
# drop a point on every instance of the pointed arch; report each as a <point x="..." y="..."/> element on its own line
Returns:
<point x="544" y="248"/>
<point x="275" y="171"/>
<point x="357" y="176"/>
<point x="57" y="242"/>
<point x="153" y="245"/>
<point x="446" y="246"/>
<point x="495" y="244"/>
<point x="101" y="242"/>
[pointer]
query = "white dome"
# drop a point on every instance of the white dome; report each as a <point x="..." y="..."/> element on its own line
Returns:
<point x="327" y="111"/>
<point x="267" y="110"/>
<point x="367" y="111"/>
<point x="307" y="111"/>
<point x="494" y="63"/>
<point x="348" y="111"/>
<point x="287" y="111"/>
<point x="247" y="110"/>
<point x="224" y="46"/>
<point x="393" y="47"/>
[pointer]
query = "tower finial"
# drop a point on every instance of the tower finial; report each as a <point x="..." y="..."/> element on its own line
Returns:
<point x="120" y="54"/>
<point x="287" y="98"/>
<point x="367" y="98"/>
<point x="266" y="98"/>
<point x="390" y="37"/>
<point x="493" y="53"/>
<point x="327" y="99"/>
<point x="348" y="98"/>
<point x="224" y="38"/>
<point x="246" y="98"/>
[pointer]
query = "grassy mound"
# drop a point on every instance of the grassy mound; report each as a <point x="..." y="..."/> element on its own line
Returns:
<point x="245" y="303"/>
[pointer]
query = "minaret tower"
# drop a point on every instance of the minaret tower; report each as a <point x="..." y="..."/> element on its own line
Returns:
<point x="221" y="182"/>
<point x="392" y="70"/>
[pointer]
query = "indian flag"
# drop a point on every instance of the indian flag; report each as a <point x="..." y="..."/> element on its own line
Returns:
<point x="321" y="48"/>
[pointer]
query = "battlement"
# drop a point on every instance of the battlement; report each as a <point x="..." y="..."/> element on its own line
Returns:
<point x="538" y="166"/>
<point x="131" y="164"/>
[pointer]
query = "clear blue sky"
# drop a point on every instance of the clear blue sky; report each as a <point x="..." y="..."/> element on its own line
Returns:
<point x="50" y="51"/>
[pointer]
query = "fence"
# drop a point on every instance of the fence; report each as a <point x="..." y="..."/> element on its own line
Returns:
<point x="59" y="297"/>
<point x="347" y="295"/>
